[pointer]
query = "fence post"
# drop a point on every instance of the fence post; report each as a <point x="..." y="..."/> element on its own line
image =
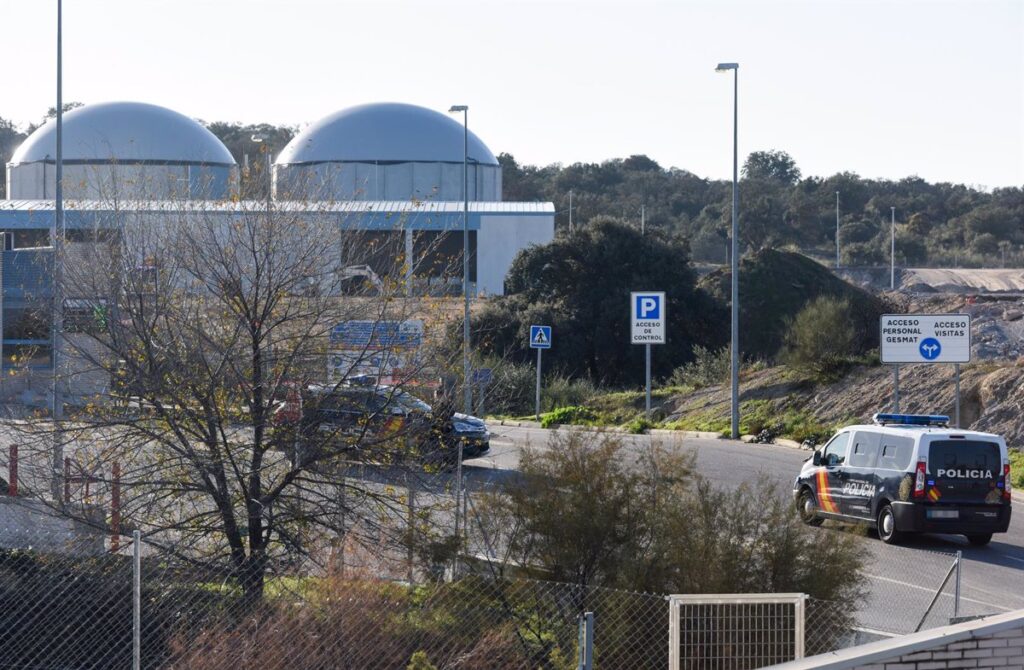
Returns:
<point x="12" y="472"/>
<point x="67" y="480"/>
<point x="956" y="598"/>
<point x="115" y="510"/>
<point x="410" y="483"/>
<point x="585" y="641"/>
<point x="136" y="600"/>
<point x="799" y="627"/>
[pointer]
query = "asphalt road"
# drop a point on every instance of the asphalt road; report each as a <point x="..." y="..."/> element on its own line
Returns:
<point x="901" y="579"/>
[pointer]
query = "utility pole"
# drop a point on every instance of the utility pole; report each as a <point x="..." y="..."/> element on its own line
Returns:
<point x="57" y="243"/>
<point x="892" y="253"/>
<point x="570" y="210"/>
<point x="837" y="230"/>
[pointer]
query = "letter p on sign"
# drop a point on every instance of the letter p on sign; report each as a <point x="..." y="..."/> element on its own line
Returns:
<point x="648" y="307"/>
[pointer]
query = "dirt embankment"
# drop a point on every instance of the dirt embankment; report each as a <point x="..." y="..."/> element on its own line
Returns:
<point x="991" y="396"/>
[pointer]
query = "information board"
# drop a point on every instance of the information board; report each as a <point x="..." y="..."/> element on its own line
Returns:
<point x="925" y="338"/>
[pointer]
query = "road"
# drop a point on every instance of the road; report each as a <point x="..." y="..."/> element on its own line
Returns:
<point x="901" y="579"/>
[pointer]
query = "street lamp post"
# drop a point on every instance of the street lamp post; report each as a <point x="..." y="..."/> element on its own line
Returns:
<point x="735" y="343"/>
<point x="892" y="253"/>
<point x="467" y="391"/>
<point x="57" y="240"/>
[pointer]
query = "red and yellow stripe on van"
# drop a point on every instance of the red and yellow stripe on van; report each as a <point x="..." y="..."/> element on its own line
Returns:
<point x="824" y="495"/>
<point x="934" y="494"/>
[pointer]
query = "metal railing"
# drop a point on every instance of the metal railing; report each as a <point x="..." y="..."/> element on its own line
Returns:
<point x="735" y="631"/>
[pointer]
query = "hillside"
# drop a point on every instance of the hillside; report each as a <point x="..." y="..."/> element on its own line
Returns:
<point x="775" y="285"/>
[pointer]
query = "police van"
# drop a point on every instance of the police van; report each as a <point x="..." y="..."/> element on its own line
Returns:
<point x="909" y="473"/>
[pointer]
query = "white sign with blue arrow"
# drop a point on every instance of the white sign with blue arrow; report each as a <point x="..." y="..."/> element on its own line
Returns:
<point x="925" y="338"/>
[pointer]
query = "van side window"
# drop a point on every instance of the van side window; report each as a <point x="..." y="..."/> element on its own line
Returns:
<point x="896" y="453"/>
<point x="863" y="455"/>
<point x="836" y="449"/>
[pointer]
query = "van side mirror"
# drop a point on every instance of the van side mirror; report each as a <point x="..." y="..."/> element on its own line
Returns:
<point x="816" y="459"/>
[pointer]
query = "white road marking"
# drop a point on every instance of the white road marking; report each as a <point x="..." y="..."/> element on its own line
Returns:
<point x="1012" y="558"/>
<point x="932" y="591"/>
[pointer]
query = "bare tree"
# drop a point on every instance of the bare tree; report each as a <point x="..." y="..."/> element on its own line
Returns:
<point x="200" y="334"/>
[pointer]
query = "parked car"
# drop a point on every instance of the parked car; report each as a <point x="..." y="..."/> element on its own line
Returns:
<point x="368" y="416"/>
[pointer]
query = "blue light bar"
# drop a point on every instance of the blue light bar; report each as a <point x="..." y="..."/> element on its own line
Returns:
<point x="911" y="419"/>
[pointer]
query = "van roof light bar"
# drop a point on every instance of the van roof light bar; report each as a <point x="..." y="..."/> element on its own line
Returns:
<point x="911" y="419"/>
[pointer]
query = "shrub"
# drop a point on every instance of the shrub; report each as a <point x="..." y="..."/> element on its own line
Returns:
<point x="574" y="414"/>
<point x="563" y="391"/>
<point x="639" y="425"/>
<point x="591" y="512"/>
<point x="821" y="339"/>
<point x="708" y="367"/>
<point x="1017" y="468"/>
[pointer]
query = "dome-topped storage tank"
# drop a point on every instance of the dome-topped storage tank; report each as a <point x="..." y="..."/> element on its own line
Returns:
<point x="123" y="150"/>
<point x="385" y="151"/>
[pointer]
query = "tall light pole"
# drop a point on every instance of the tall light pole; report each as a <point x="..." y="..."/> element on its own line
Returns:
<point x="467" y="391"/>
<point x="837" y="230"/>
<point x="892" y="253"/>
<point x="56" y="241"/>
<point x="735" y="345"/>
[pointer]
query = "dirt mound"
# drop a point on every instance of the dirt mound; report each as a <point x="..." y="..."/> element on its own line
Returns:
<point x="775" y="285"/>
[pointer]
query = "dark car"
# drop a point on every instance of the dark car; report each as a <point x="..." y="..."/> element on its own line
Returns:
<point x="375" y="416"/>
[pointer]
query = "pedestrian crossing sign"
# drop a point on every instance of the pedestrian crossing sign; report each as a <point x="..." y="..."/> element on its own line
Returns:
<point x="540" y="337"/>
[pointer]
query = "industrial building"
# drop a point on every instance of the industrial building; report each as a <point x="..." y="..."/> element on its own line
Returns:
<point x="394" y="170"/>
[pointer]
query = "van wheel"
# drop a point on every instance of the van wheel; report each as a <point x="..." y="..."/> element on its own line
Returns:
<point x="980" y="540"/>
<point x="887" y="526"/>
<point x="807" y="507"/>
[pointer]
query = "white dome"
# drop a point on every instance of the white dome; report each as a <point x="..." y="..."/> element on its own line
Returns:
<point x="387" y="132"/>
<point x="125" y="132"/>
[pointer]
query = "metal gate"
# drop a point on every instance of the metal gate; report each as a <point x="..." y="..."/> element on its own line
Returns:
<point x="735" y="631"/>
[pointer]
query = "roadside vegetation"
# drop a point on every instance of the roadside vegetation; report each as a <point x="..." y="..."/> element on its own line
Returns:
<point x="589" y="512"/>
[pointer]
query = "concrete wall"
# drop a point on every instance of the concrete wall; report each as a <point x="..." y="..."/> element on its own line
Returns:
<point x="992" y="643"/>
<point x="499" y="240"/>
<point x="387" y="181"/>
<point x="31" y="181"/>
<point x="28" y="524"/>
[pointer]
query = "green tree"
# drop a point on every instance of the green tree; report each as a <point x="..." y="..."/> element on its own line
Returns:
<point x="580" y="284"/>
<point x="771" y="165"/>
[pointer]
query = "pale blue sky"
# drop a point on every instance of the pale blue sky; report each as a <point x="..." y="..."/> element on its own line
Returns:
<point x="885" y="89"/>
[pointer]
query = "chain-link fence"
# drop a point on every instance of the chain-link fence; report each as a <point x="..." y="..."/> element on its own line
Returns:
<point x="78" y="611"/>
<point x="380" y="596"/>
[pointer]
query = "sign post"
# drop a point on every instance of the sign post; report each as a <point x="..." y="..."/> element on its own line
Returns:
<point x="647" y="327"/>
<point x="540" y="339"/>
<point x="925" y="338"/>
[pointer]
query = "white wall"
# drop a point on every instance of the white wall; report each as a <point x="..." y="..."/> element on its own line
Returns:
<point x="38" y="181"/>
<point x="396" y="181"/>
<point x="499" y="239"/>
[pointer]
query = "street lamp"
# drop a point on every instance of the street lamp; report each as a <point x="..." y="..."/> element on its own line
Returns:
<point x="735" y="345"/>
<point x="57" y="242"/>
<point x="892" y="253"/>
<point x="467" y="391"/>
<point x="261" y="139"/>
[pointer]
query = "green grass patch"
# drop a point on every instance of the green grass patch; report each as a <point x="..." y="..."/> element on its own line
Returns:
<point x="1017" y="468"/>
<point x="755" y="416"/>
<point x="574" y="415"/>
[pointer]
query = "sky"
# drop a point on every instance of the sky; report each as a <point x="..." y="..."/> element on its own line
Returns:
<point x="883" y="89"/>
